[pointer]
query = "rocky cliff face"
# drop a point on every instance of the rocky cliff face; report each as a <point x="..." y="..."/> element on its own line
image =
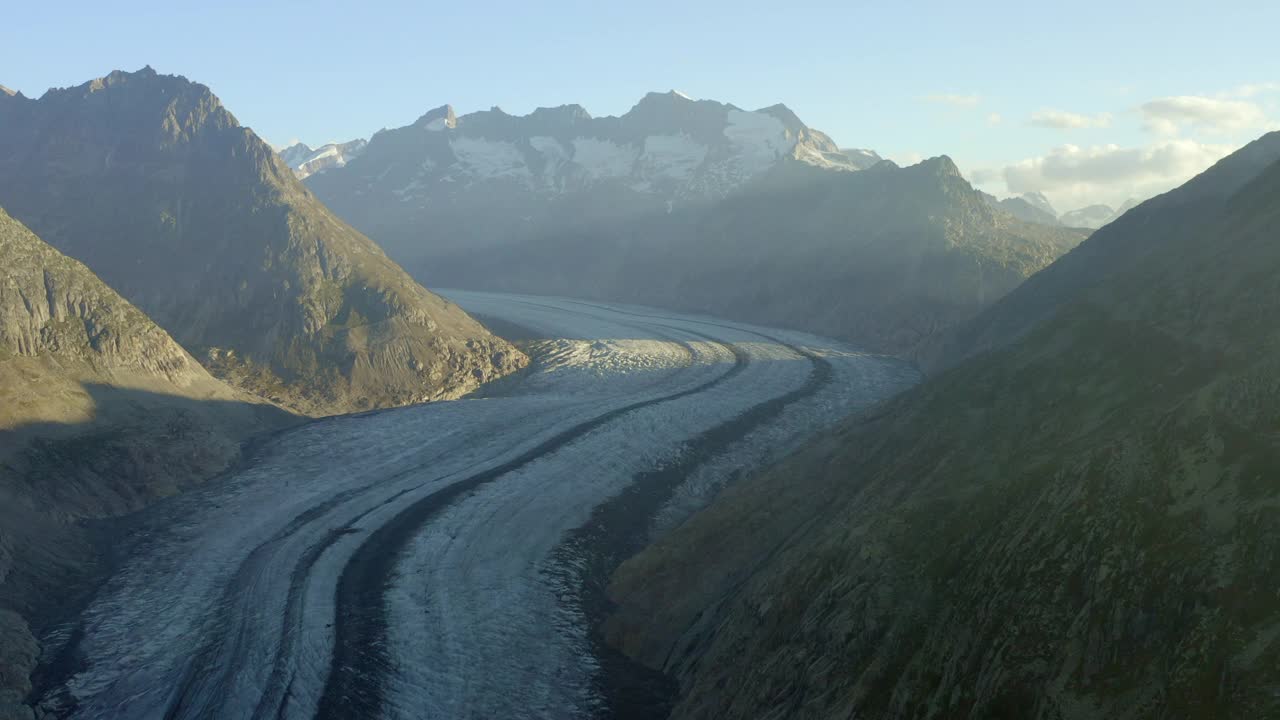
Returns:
<point x="100" y="412"/>
<point x="691" y="205"/>
<point x="1079" y="525"/>
<point x="154" y="185"/>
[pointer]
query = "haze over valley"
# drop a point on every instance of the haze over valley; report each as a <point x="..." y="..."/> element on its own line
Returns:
<point x="906" y="363"/>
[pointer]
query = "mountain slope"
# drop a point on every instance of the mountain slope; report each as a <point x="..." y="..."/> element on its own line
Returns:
<point x="1120" y="246"/>
<point x="154" y="185"/>
<point x="691" y="205"/>
<point x="1079" y="525"/>
<point x="100" y="411"/>
<point x="887" y="257"/>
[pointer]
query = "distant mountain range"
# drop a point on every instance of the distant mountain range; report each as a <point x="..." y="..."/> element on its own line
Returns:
<point x="689" y="204"/>
<point x="1032" y="207"/>
<point x="1035" y="207"/>
<point x="1076" y="521"/>
<point x="306" y="161"/>
<point x="154" y="185"/>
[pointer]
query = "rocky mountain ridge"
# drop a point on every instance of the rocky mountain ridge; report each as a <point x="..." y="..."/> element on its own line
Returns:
<point x="693" y="205"/>
<point x="151" y="182"/>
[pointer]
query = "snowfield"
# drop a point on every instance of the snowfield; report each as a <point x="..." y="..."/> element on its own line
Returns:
<point x="412" y="563"/>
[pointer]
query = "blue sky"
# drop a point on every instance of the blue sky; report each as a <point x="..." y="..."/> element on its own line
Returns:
<point x="1023" y="95"/>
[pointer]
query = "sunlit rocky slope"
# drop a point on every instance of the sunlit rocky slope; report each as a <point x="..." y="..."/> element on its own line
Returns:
<point x="154" y="185"/>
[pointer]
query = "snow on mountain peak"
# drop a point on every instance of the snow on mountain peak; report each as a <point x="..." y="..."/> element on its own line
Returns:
<point x="305" y="161"/>
<point x="668" y="145"/>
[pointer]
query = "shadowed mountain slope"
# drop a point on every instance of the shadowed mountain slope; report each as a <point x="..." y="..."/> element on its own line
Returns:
<point x="1077" y="525"/>
<point x="100" y="412"/>
<point x="1178" y="216"/>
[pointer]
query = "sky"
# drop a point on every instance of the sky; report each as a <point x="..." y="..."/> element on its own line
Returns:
<point x="1084" y="101"/>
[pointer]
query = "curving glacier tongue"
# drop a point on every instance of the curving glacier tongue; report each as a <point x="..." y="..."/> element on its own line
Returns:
<point x="234" y="601"/>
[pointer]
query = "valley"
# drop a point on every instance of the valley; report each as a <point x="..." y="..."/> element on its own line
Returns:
<point x="423" y="561"/>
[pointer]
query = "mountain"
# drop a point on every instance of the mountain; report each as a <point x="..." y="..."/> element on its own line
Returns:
<point x="306" y="162"/>
<point x="1039" y="202"/>
<point x="1126" y="207"/>
<point x="485" y="177"/>
<point x="691" y="205"/>
<point x="1093" y="216"/>
<point x="860" y="158"/>
<point x="1096" y="216"/>
<point x="154" y="185"/>
<point x="100" y="411"/>
<point x="1032" y="207"/>
<point x="1077" y="525"/>
<point x="1120" y="246"/>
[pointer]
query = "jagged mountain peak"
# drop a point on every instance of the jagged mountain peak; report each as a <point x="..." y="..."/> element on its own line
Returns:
<point x="788" y="117"/>
<point x="132" y="99"/>
<point x="438" y="118"/>
<point x="942" y="165"/>
<point x="658" y="110"/>
<point x="568" y="114"/>
<point x="667" y="149"/>
<point x="306" y="161"/>
<point x="6" y="91"/>
<point x="862" y="158"/>
<point x="668" y="97"/>
<point x="1037" y="200"/>
<point x="296" y="154"/>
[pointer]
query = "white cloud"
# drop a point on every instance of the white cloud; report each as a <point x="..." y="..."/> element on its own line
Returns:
<point x="1168" y="116"/>
<point x="959" y="101"/>
<point x="1075" y="176"/>
<point x="986" y="176"/>
<point x="994" y="119"/>
<point x="1062" y="120"/>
